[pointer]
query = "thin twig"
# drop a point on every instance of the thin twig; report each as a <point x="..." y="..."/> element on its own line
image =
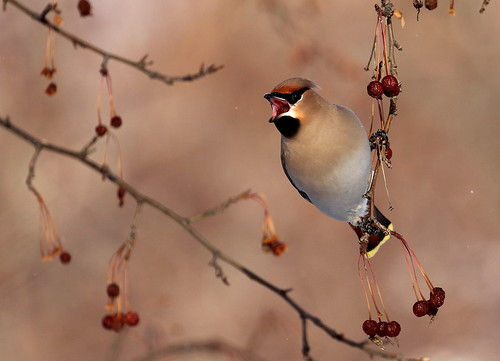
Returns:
<point x="184" y="223"/>
<point x="219" y="208"/>
<point x="140" y="65"/>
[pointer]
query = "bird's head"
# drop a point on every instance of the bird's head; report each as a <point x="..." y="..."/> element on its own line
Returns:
<point x="286" y="101"/>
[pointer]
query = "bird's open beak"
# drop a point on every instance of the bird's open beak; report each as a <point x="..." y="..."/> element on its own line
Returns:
<point x="279" y="105"/>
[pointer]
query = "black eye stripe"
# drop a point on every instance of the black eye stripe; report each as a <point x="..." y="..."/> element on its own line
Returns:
<point x="291" y="98"/>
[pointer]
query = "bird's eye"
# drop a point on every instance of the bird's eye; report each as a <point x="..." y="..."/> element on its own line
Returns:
<point x="295" y="97"/>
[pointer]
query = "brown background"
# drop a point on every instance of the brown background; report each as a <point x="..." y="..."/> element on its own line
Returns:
<point x="193" y="145"/>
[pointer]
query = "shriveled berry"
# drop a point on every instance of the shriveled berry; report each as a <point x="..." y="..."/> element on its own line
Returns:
<point x="116" y="121"/>
<point x="417" y="4"/>
<point x="131" y="318"/>
<point x="390" y="85"/>
<point x="393" y="329"/>
<point x="121" y="196"/>
<point x="437" y="297"/>
<point x="101" y="130"/>
<point x="51" y="89"/>
<point x="431" y="4"/>
<point x="107" y="322"/>
<point x="84" y="8"/>
<point x="65" y="257"/>
<point x="433" y="310"/>
<point x="370" y="327"/>
<point x="375" y="89"/>
<point x="113" y="290"/>
<point x="420" y="308"/>
<point x="388" y="153"/>
<point x="382" y="328"/>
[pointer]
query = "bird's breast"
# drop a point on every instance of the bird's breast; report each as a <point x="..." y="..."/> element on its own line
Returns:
<point x="331" y="171"/>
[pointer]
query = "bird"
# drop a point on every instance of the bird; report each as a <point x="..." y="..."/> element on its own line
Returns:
<point x="326" y="155"/>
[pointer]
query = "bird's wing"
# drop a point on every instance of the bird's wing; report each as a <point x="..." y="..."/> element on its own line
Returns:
<point x="301" y="192"/>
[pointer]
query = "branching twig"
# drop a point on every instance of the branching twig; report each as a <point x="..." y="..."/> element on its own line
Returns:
<point x="184" y="222"/>
<point x="141" y="65"/>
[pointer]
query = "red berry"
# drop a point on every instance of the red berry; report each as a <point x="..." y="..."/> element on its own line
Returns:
<point x="84" y="8"/>
<point x="393" y="329"/>
<point x="118" y="322"/>
<point x="113" y="290"/>
<point x="431" y="4"/>
<point x="433" y="310"/>
<point x="48" y="72"/>
<point x="116" y="121"/>
<point x="388" y="153"/>
<point x="390" y="85"/>
<point x="131" y="318"/>
<point x="420" y="308"/>
<point x="437" y="297"/>
<point x="382" y="328"/>
<point x="370" y="327"/>
<point x="375" y="89"/>
<point x="107" y="322"/>
<point x="65" y="257"/>
<point x="101" y="130"/>
<point x="51" y="89"/>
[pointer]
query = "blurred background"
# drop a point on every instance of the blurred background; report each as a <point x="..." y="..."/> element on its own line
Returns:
<point x="193" y="145"/>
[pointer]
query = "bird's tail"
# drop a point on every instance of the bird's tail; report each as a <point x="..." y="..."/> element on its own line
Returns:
<point x="378" y="238"/>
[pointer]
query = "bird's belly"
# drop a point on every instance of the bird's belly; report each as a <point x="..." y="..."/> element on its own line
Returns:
<point x="338" y="190"/>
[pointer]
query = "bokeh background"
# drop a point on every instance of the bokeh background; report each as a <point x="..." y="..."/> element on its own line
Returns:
<point x="193" y="145"/>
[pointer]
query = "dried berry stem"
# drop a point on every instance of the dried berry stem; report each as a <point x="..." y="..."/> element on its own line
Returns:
<point x="48" y="235"/>
<point x="392" y="44"/>
<point x="384" y="42"/>
<point x="361" y="279"/>
<point x="413" y="256"/>
<point x="413" y="275"/>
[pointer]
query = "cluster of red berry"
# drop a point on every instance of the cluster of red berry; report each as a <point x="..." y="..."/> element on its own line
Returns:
<point x="430" y="306"/>
<point x="118" y="320"/>
<point x="389" y="86"/>
<point x="101" y="129"/>
<point x="381" y="328"/>
<point x="421" y="308"/>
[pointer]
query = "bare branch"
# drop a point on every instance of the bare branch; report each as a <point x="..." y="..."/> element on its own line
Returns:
<point x="216" y="253"/>
<point x="140" y="65"/>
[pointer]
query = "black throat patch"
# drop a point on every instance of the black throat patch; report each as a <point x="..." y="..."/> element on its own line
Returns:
<point x="288" y="126"/>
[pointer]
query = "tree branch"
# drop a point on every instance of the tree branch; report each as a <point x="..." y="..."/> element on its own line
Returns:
<point x="142" y="65"/>
<point x="185" y="222"/>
